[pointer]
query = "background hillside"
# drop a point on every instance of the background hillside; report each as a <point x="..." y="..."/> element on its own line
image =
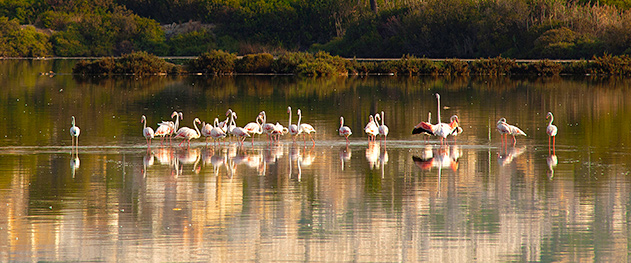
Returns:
<point x="361" y="28"/>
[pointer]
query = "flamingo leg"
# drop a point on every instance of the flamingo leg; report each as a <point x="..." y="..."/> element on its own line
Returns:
<point x="554" y="147"/>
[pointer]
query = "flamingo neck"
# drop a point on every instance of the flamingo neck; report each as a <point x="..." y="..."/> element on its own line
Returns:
<point x="144" y="121"/>
<point x="299" y="118"/>
<point x="177" y="121"/>
<point x="341" y="122"/>
<point x="551" y="119"/>
<point x="438" y="98"/>
<point x="289" y="116"/>
<point x="382" y="118"/>
<point x="195" y="125"/>
<point x="216" y="123"/>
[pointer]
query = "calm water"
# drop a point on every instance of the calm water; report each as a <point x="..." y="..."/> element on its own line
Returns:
<point x="407" y="200"/>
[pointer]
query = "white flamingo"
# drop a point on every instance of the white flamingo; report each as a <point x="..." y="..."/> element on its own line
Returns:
<point x="551" y="130"/>
<point x="217" y="133"/>
<point x="441" y="129"/>
<point x="167" y="128"/>
<point x="187" y="133"/>
<point x="238" y="132"/>
<point x="293" y="128"/>
<point x="505" y="129"/>
<point x="305" y="128"/>
<point x="74" y="133"/>
<point x="344" y="130"/>
<point x="383" y="128"/>
<point x="147" y="132"/>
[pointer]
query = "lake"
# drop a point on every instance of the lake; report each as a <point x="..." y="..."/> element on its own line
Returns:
<point x="409" y="198"/>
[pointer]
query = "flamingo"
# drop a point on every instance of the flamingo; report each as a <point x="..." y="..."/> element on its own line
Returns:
<point x="224" y="124"/>
<point x="383" y="129"/>
<point x="425" y="128"/>
<point x="505" y="129"/>
<point x="74" y="133"/>
<point x="268" y="128"/>
<point x="206" y="128"/>
<point x="238" y="132"/>
<point x="188" y="133"/>
<point x="344" y="130"/>
<point x="147" y="132"/>
<point x="441" y="129"/>
<point x="551" y="130"/>
<point x="371" y="128"/>
<point x="293" y="128"/>
<point x="454" y="124"/>
<point x="166" y="128"/>
<point x="279" y="130"/>
<point x="305" y="128"/>
<point x="254" y="127"/>
<point x="217" y="133"/>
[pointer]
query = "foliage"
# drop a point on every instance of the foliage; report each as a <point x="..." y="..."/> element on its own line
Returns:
<point x="493" y="66"/>
<point x="17" y="41"/>
<point x="255" y="63"/>
<point x="192" y="43"/>
<point x="214" y="62"/>
<point x="137" y="63"/>
<point x="288" y="62"/>
<point x="455" y="67"/>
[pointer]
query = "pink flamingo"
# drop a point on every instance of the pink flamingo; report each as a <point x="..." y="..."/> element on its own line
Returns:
<point x="268" y="128"/>
<point x="344" y="130"/>
<point x="147" y="132"/>
<point x="187" y="133"/>
<point x="238" y="132"/>
<point x="551" y="130"/>
<point x="254" y="127"/>
<point x="425" y="128"/>
<point x="371" y="128"/>
<point x="305" y="128"/>
<point x="206" y="128"/>
<point x="166" y="128"/>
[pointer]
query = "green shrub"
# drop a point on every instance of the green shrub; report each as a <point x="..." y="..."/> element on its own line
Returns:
<point x="493" y="66"/>
<point x="17" y="41"/>
<point x="255" y="63"/>
<point x="288" y="62"/>
<point x="214" y="62"/>
<point x="316" y="68"/>
<point x="137" y="63"/>
<point x="192" y="43"/>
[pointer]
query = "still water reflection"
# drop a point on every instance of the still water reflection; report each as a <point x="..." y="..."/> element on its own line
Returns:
<point x="407" y="200"/>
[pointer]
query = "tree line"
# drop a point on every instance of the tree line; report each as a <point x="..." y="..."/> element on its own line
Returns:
<point x="552" y="29"/>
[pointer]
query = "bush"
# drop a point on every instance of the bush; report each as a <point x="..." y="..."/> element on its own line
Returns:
<point x="612" y="65"/>
<point x="255" y="63"/>
<point x="288" y="62"/>
<point x="16" y="41"/>
<point x="454" y="67"/>
<point x="137" y="63"/>
<point x="214" y="62"/>
<point x="192" y="43"/>
<point x="493" y="66"/>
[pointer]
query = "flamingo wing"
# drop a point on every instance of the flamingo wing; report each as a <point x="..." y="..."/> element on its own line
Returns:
<point x="423" y="127"/>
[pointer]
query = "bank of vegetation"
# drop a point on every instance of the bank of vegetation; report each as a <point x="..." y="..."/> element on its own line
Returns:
<point x="538" y="29"/>
<point x="324" y="64"/>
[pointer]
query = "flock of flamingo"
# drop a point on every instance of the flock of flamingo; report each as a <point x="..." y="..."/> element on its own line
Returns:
<point x="375" y="127"/>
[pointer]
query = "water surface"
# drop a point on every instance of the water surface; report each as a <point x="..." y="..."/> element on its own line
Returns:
<point x="409" y="199"/>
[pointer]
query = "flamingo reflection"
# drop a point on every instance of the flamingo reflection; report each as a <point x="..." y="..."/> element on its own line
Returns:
<point x="372" y="154"/>
<point x="345" y="156"/>
<point x="552" y="163"/>
<point x="510" y="155"/>
<point x="74" y="164"/>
